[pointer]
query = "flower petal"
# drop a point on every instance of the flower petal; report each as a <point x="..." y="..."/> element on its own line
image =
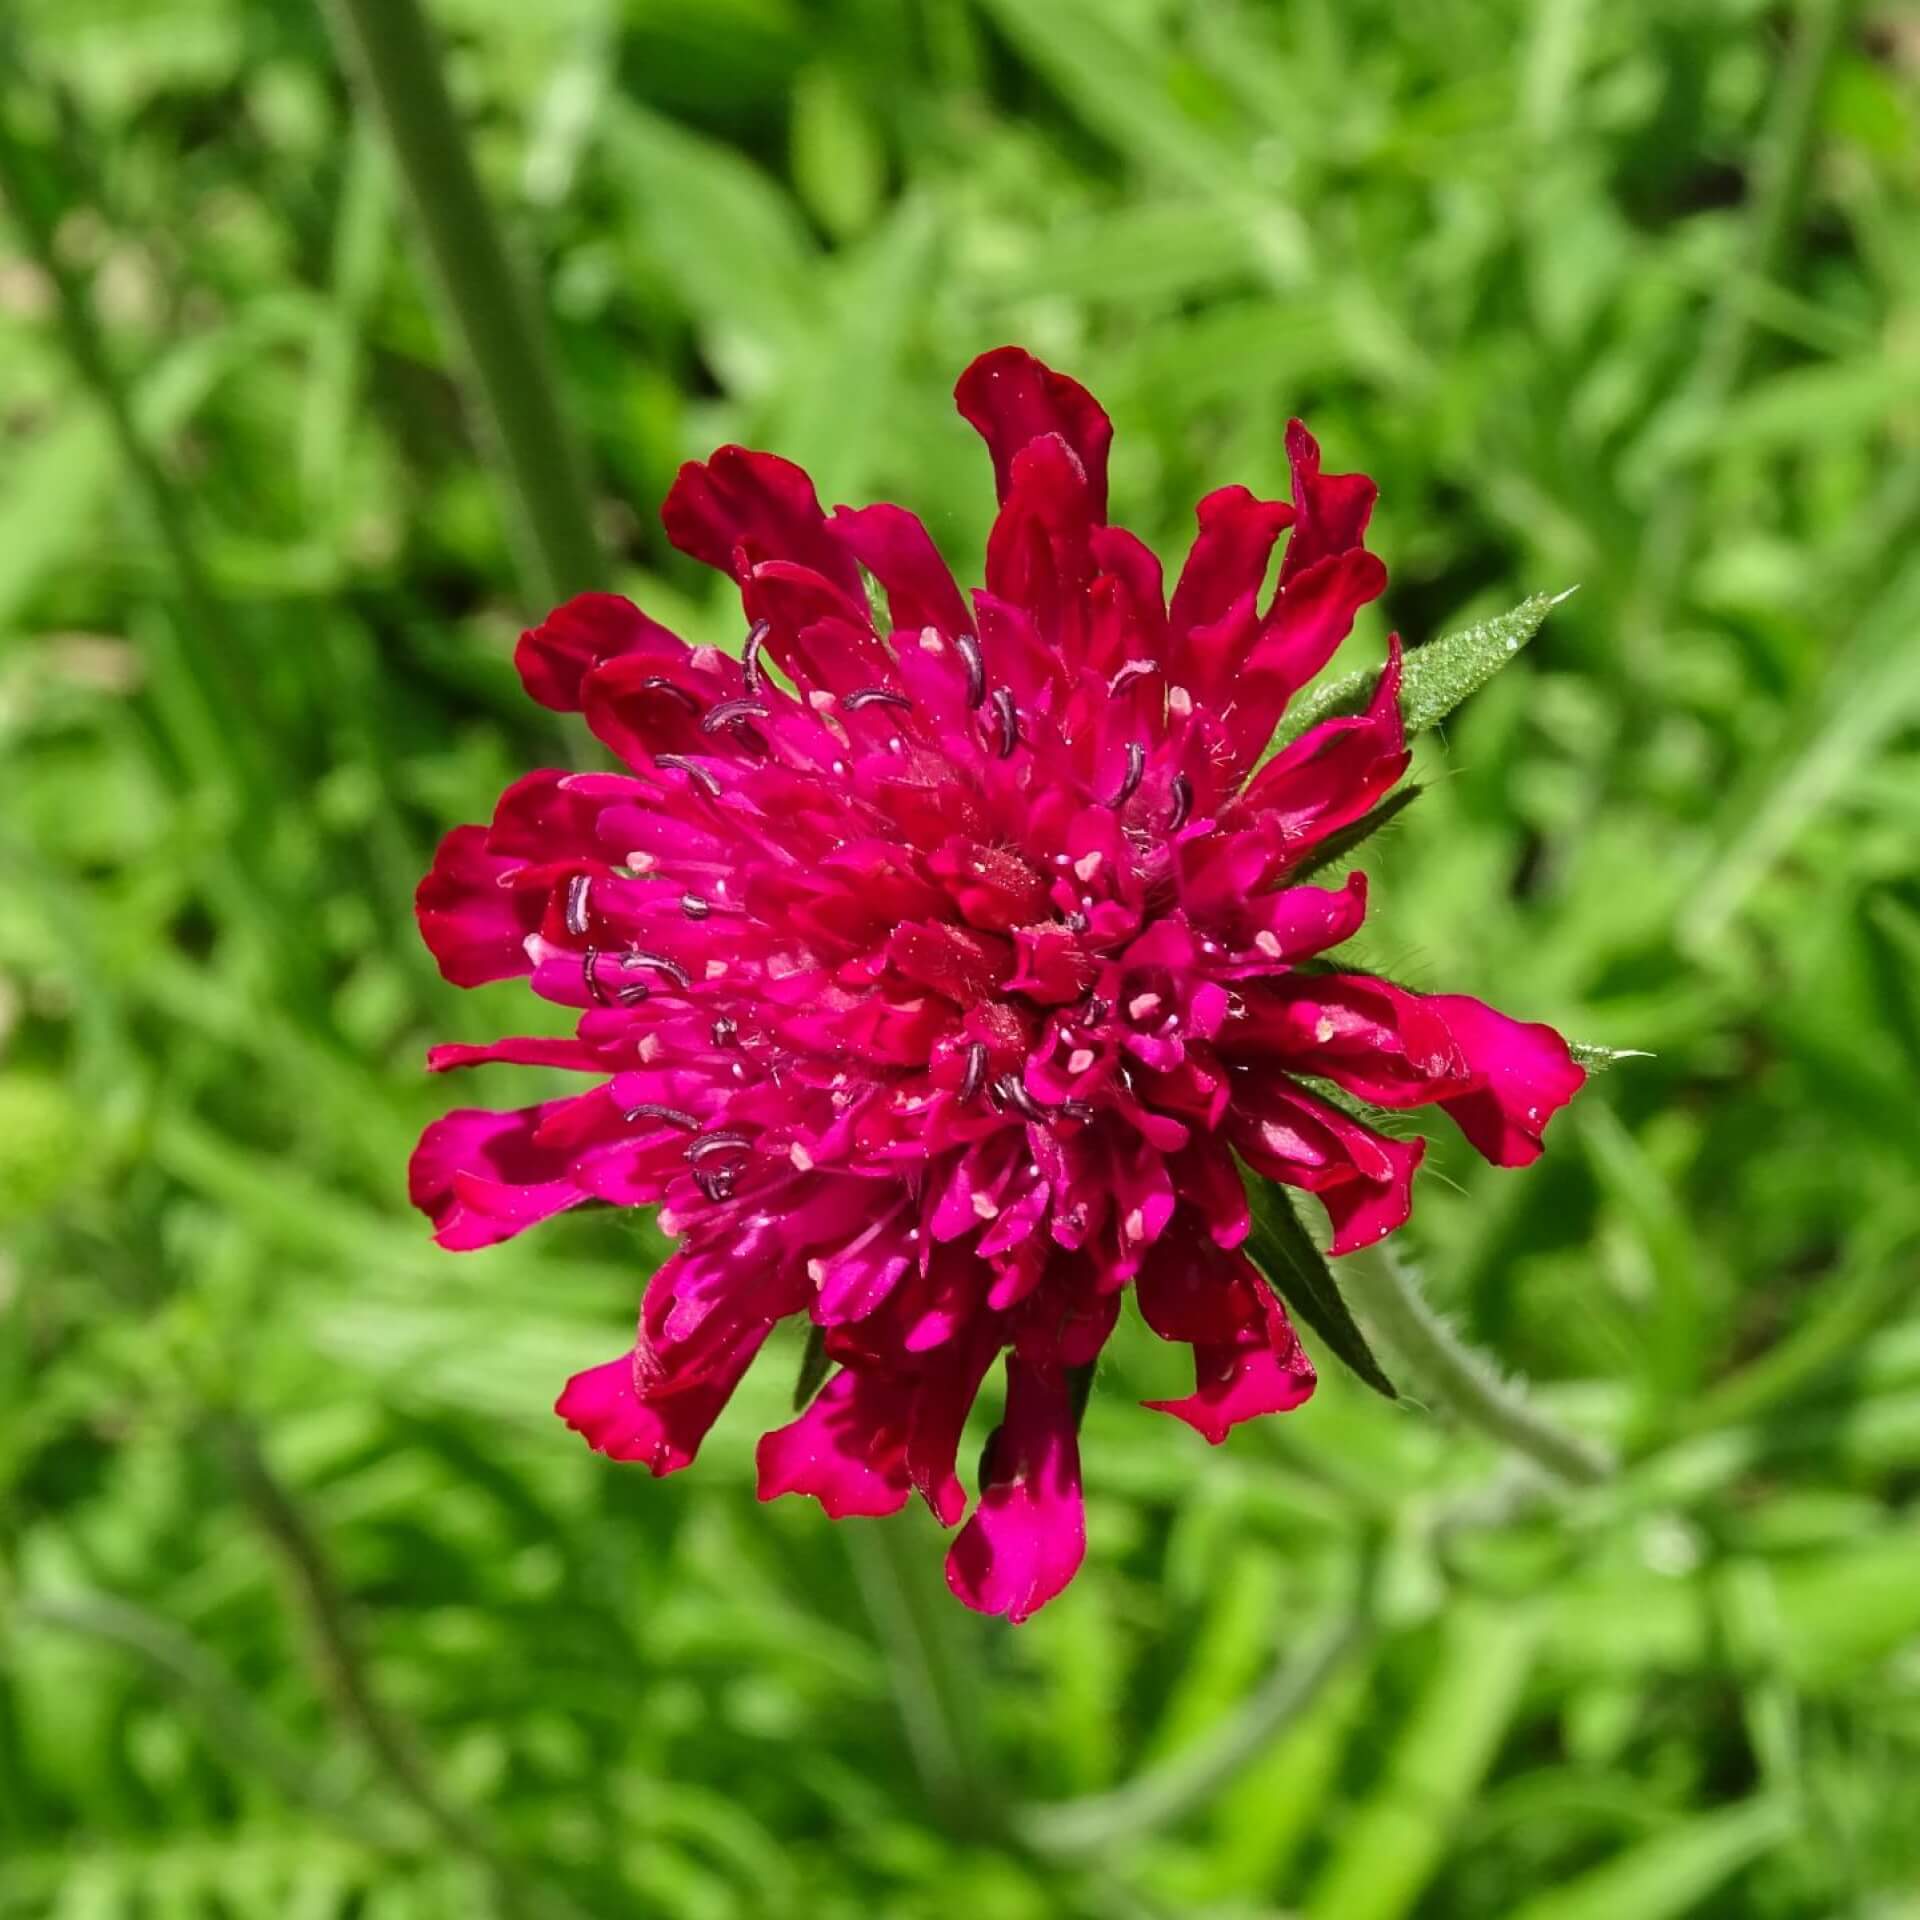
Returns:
<point x="1028" y="1533"/>
<point x="473" y="926"/>
<point x="740" y="508"/>
<point x="848" y="1450"/>
<point x="1524" y="1072"/>
<point x="481" y="1177"/>
<point x="591" y="628"/>
<point x="603" y="1405"/>
<point x="896" y="548"/>
<point x="1011" y="399"/>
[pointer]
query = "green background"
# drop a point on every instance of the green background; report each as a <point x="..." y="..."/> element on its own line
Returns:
<point x="308" y="1606"/>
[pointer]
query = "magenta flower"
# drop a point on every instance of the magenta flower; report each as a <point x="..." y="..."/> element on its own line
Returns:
<point x="936" y="970"/>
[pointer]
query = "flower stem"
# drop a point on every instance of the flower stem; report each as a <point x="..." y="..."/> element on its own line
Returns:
<point x="1466" y="1383"/>
<point x="389" y="48"/>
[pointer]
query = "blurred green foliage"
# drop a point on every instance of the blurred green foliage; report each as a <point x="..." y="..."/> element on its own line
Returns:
<point x="310" y="1609"/>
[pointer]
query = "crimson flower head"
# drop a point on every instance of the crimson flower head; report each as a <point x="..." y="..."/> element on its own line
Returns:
<point x="938" y="969"/>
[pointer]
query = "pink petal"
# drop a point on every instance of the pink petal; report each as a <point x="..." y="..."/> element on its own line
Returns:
<point x="481" y="1177"/>
<point x="1028" y="1533"/>
<point x="1331" y="510"/>
<point x="522" y="1051"/>
<point x="554" y="657"/>
<point x="740" y="508"/>
<point x="1525" y="1074"/>
<point x="894" y="546"/>
<point x="474" y="927"/>
<point x="848" y="1450"/>
<point x="603" y="1405"/>
<point x="1226" y="566"/>
<point x="1010" y="399"/>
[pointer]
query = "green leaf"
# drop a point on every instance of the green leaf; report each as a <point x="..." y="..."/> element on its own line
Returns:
<point x="814" y="1368"/>
<point x="1339" y="846"/>
<point x="1436" y="677"/>
<point x="1298" y="1272"/>
<point x="1597" y="1059"/>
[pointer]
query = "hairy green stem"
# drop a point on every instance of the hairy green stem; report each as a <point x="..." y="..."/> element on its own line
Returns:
<point x="389" y="48"/>
<point x="1467" y="1384"/>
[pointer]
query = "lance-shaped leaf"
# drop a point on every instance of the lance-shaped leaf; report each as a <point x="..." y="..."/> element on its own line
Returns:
<point x="1337" y="847"/>
<point x="1599" y="1059"/>
<point x="1436" y="677"/>
<point x="1298" y="1272"/>
<point x="814" y="1368"/>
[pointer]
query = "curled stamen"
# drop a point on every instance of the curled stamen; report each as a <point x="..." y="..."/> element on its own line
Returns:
<point x="1013" y="1093"/>
<point x="577" y="890"/>
<point x="1182" y="790"/>
<point x="1132" y="671"/>
<point x="725" y="1031"/>
<point x="632" y="996"/>
<point x="1097" y="1011"/>
<point x="1076" y="922"/>
<point x="874" y="697"/>
<point x="750" y="653"/>
<point x="968" y="649"/>
<point x="590" y="979"/>
<point x="699" y="775"/>
<point x="1075" y="1110"/>
<point x="659" y="683"/>
<point x="667" y="1116"/>
<point x="1008" y="717"/>
<point x="715" y="1182"/>
<point x="710" y="1143"/>
<point x="976" y="1070"/>
<point x="671" y="969"/>
<point x="1136" y="769"/>
<point x="730" y="713"/>
<point x="694" y="907"/>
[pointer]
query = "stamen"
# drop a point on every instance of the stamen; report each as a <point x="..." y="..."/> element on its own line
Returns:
<point x="667" y="1116"/>
<point x="725" y="1031"/>
<point x="1076" y="922"/>
<point x="590" y="979"/>
<point x="1097" y="1011"/>
<point x="633" y="995"/>
<point x="699" y="775"/>
<point x="1008" y="715"/>
<point x="1182" y="789"/>
<point x="874" y="697"/>
<point x="694" y="907"/>
<point x="658" y="683"/>
<point x="730" y="713"/>
<point x="640" y="957"/>
<point x="715" y="1182"/>
<point x="976" y="1070"/>
<point x="750" y="654"/>
<point x="1132" y="671"/>
<point x="1013" y="1093"/>
<point x="968" y="649"/>
<point x="577" y="890"/>
<point x="1136" y="769"/>
<point x="710" y="1143"/>
<point x="1075" y="1109"/>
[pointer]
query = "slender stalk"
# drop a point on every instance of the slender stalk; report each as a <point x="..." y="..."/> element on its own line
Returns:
<point x="388" y="46"/>
<point x="1156" y="1800"/>
<point x="934" y="1698"/>
<point x="1780" y="166"/>
<point x="246" y="1739"/>
<point x="1464" y="1382"/>
<point x="344" y="1671"/>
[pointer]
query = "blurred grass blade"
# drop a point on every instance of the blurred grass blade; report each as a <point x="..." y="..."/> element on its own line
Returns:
<point x="390" y="50"/>
<point x="1674" y="1871"/>
<point x="1298" y="1272"/>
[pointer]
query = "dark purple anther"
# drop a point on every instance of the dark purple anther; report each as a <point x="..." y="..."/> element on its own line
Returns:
<point x="589" y="961"/>
<point x="1136" y="770"/>
<point x="1013" y="1093"/>
<point x="577" y="889"/>
<point x="667" y="1116"/>
<point x="976" y="665"/>
<point x="976" y="1070"/>
<point x="710" y="1143"/>
<point x="726" y="1031"/>
<point x="731" y="713"/>
<point x="659" y="962"/>
<point x="1132" y="671"/>
<point x="1182" y="790"/>
<point x="874" y="697"/>
<point x="694" y="907"/>
<point x="658" y="683"/>
<point x="1008" y="717"/>
<point x="694" y="771"/>
<point x="750" y="653"/>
